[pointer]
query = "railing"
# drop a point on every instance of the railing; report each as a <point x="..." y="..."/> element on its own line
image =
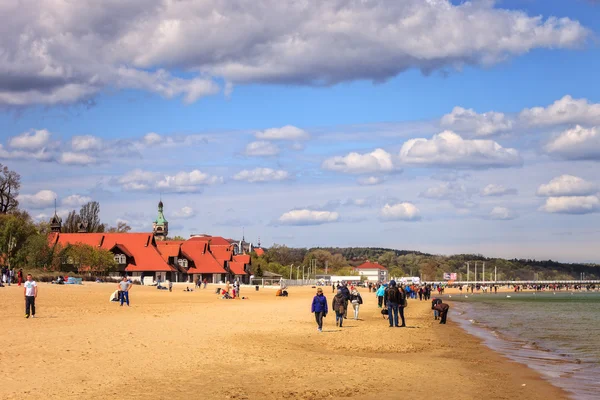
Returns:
<point x="288" y="282"/>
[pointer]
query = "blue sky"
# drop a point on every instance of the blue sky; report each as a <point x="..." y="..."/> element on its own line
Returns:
<point x="298" y="123"/>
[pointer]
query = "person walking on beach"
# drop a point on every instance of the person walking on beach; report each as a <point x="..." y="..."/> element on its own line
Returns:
<point x="339" y="306"/>
<point x="394" y="298"/>
<point x="356" y="300"/>
<point x="205" y="282"/>
<point x="319" y="307"/>
<point x="170" y="285"/>
<point x="443" y="310"/>
<point x="346" y="293"/>
<point x="30" y="291"/>
<point x="380" y="293"/>
<point x="20" y="277"/>
<point x="124" y="287"/>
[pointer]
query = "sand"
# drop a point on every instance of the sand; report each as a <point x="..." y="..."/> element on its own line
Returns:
<point x="194" y="345"/>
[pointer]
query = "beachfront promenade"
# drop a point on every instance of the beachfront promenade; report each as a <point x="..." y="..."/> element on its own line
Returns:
<point x="194" y="344"/>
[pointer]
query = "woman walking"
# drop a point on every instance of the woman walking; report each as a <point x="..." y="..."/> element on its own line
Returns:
<point x="319" y="307"/>
<point x="339" y="306"/>
<point x="356" y="300"/>
<point x="380" y="293"/>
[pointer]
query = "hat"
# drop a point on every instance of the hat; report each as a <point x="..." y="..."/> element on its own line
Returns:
<point x="392" y="283"/>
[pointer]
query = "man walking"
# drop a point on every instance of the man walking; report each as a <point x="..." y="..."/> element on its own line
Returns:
<point x="124" y="286"/>
<point x="394" y="299"/>
<point x="30" y="292"/>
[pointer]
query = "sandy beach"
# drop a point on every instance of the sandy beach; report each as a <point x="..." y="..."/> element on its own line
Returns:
<point x="193" y="344"/>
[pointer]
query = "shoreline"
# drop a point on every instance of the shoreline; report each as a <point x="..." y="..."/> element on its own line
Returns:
<point x="180" y="344"/>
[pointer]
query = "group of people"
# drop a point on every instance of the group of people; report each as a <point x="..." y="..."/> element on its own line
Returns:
<point x="201" y="283"/>
<point x="9" y="276"/>
<point x="391" y="297"/>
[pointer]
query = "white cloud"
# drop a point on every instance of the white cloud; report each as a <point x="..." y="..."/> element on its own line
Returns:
<point x="308" y="217"/>
<point x="567" y="185"/>
<point x="572" y="205"/>
<point x="261" y="149"/>
<point x="42" y="199"/>
<point x="86" y="143"/>
<point x="576" y="144"/>
<point x="502" y="214"/>
<point x="497" y="190"/>
<point x="75" y="200"/>
<point x="152" y="138"/>
<point x="184" y="212"/>
<point x="469" y="122"/>
<point x="182" y="182"/>
<point x="57" y="53"/>
<point x="287" y="132"/>
<point x="449" y="149"/>
<point x="31" y="140"/>
<point x="446" y="191"/>
<point x="71" y="158"/>
<point x="261" y="175"/>
<point x="564" y="111"/>
<point x="378" y="160"/>
<point x="369" y="180"/>
<point x="39" y="155"/>
<point x="400" y="212"/>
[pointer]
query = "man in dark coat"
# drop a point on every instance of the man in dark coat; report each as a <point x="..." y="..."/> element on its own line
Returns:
<point x="443" y="309"/>
<point x="394" y="299"/>
<point x="346" y="293"/>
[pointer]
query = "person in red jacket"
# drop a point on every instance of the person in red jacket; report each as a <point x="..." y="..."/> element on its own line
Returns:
<point x="443" y="309"/>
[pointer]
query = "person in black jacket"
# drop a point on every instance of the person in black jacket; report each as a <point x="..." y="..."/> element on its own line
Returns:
<point x="356" y="300"/>
<point x="346" y="293"/>
<point x="394" y="298"/>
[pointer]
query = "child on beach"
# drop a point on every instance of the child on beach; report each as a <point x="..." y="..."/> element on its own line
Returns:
<point x="319" y="307"/>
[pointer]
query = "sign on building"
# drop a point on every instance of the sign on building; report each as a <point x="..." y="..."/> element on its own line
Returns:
<point x="450" y="276"/>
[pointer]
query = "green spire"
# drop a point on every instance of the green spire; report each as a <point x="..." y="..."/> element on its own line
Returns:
<point x="160" y="220"/>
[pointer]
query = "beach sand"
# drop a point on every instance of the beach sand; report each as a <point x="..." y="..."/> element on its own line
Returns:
<point x="195" y="345"/>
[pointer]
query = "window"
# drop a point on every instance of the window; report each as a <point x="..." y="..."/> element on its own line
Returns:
<point x="183" y="262"/>
<point x="120" y="259"/>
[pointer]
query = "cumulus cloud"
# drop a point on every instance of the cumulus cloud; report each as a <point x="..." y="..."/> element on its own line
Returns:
<point x="182" y="182"/>
<point x="446" y="191"/>
<point x="152" y="138"/>
<point x="184" y="212"/>
<point x="502" y="214"/>
<point x="567" y="185"/>
<point x="308" y="217"/>
<point x="71" y="158"/>
<point x="378" y="160"/>
<point x="572" y="205"/>
<point x="469" y="122"/>
<point x="261" y="175"/>
<point x="563" y="112"/>
<point x="31" y="140"/>
<point x="497" y="190"/>
<point x="41" y="199"/>
<point x="450" y="150"/>
<point x="369" y="180"/>
<point x="39" y="155"/>
<point x="75" y="200"/>
<point x="400" y="212"/>
<point x="86" y="143"/>
<point x="578" y="143"/>
<point x="287" y="132"/>
<point x="261" y="148"/>
<point x="56" y="52"/>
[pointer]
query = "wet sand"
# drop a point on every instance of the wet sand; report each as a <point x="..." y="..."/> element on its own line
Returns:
<point x="189" y="345"/>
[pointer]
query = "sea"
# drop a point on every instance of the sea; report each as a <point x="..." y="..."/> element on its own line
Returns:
<point x="554" y="333"/>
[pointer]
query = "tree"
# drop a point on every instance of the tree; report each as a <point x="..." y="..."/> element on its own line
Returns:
<point x="15" y="229"/>
<point x="90" y="216"/>
<point x="258" y="273"/>
<point x="121" y="227"/>
<point x="84" y="257"/>
<point x="71" y="223"/>
<point x="10" y="183"/>
<point x="38" y="253"/>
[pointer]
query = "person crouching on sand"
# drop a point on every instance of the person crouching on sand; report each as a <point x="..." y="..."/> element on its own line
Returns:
<point x="443" y="310"/>
<point x="339" y="306"/>
<point x="435" y="302"/>
<point x="319" y="307"/>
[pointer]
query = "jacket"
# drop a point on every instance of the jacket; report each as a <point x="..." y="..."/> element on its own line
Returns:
<point x="394" y="295"/>
<point x="380" y="291"/>
<point x="319" y="304"/>
<point x="356" y="297"/>
<point x="345" y="292"/>
<point x="339" y="303"/>
<point x="443" y="307"/>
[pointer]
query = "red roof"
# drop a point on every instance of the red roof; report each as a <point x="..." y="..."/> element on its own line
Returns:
<point x="259" y="252"/>
<point x="140" y="247"/>
<point x="204" y="261"/>
<point x="214" y="240"/>
<point x="370" y="265"/>
<point x="243" y="258"/>
<point x="169" y="248"/>
<point x="237" y="268"/>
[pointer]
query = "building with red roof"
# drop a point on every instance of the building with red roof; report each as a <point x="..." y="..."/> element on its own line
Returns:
<point x="373" y="271"/>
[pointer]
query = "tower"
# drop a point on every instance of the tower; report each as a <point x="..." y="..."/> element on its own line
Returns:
<point x="160" y="226"/>
<point x="55" y="221"/>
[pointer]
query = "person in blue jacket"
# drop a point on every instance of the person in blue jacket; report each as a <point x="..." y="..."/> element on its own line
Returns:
<point x="380" y="294"/>
<point x="319" y="307"/>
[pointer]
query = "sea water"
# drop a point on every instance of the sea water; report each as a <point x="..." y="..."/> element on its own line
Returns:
<point x="555" y="333"/>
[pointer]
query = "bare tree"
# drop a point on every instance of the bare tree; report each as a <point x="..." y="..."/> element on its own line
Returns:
<point x="71" y="223"/>
<point x="90" y="216"/>
<point x="10" y="183"/>
<point x="121" y="227"/>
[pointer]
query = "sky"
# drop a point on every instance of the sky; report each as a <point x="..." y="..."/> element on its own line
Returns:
<point x="433" y="125"/>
